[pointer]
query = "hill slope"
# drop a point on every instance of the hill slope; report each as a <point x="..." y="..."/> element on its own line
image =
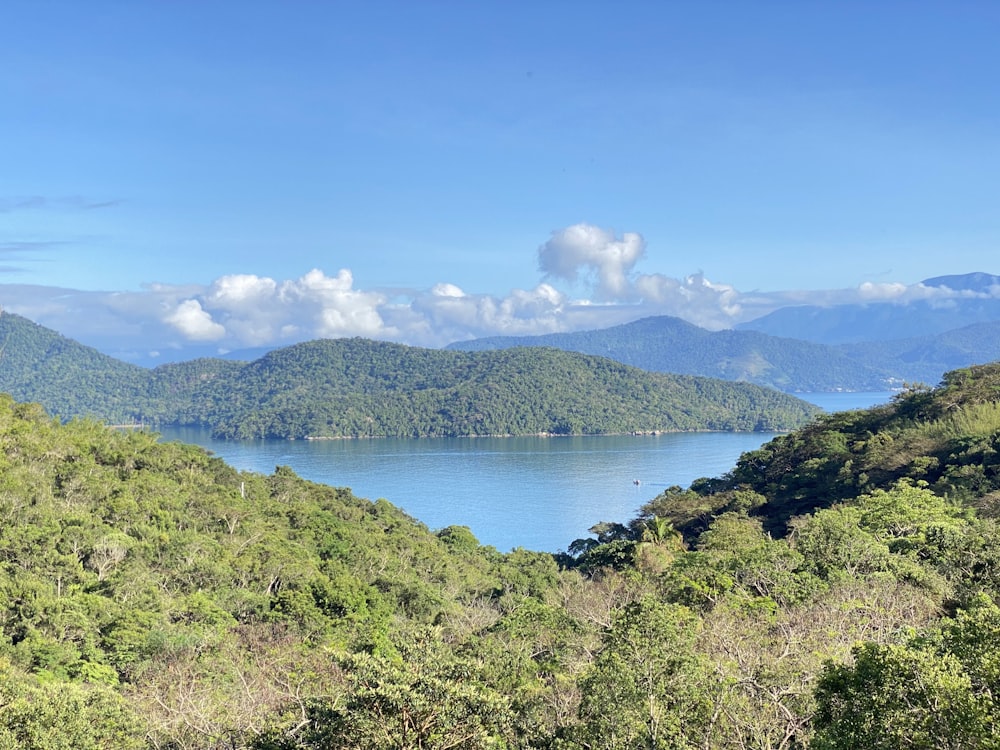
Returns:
<point x="947" y="437"/>
<point x="668" y="344"/>
<point x="68" y="378"/>
<point x="360" y="388"/>
<point x="356" y="387"/>
<point x="152" y="596"/>
<point x="924" y="359"/>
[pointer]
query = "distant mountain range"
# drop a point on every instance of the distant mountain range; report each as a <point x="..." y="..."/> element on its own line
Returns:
<point x="363" y="388"/>
<point x="887" y="321"/>
<point x="877" y="346"/>
<point x="846" y="347"/>
<point x="668" y="344"/>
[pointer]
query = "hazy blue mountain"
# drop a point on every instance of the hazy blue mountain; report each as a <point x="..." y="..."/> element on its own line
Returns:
<point x="885" y="321"/>
<point x="925" y="359"/>
<point x="668" y="344"/>
<point x="968" y="282"/>
<point x="845" y="324"/>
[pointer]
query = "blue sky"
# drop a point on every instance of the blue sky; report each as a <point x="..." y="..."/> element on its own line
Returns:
<point x="232" y="174"/>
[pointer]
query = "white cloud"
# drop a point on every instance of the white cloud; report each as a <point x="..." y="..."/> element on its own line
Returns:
<point x="260" y="311"/>
<point x="870" y="291"/>
<point x="241" y="310"/>
<point x="194" y="322"/>
<point x="446" y="290"/>
<point x="596" y="251"/>
<point x="904" y="294"/>
<point x="240" y="291"/>
<point x="448" y="314"/>
<point x="336" y="308"/>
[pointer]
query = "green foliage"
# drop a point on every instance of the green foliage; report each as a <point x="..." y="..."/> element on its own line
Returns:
<point x="834" y="545"/>
<point x="648" y="687"/>
<point x="361" y="388"/>
<point x="134" y="567"/>
<point x="426" y="696"/>
<point x="897" y="696"/>
<point x="947" y="438"/>
<point x="151" y="596"/>
<point x="37" y="715"/>
<point x="764" y="569"/>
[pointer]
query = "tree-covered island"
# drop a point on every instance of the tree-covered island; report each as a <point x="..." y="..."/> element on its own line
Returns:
<point x="336" y="388"/>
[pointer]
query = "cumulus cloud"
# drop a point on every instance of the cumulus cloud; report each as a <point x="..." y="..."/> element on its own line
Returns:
<point x="335" y="306"/>
<point x="243" y="310"/>
<point x="195" y="322"/>
<point x="694" y="298"/>
<point x="255" y="310"/>
<point x="450" y="314"/>
<point x="594" y="252"/>
<point x="446" y="290"/>
<point x="240" y="291"/>
<point x="584" y="252"/>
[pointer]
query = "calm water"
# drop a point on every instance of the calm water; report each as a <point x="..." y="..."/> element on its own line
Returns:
<point x="537" y="493"/>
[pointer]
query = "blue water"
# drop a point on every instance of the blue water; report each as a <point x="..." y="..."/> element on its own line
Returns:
<point x="843" y="401"/>
<point x="531" y="492"/>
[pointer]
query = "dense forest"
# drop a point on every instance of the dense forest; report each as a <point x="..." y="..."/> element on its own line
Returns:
<point x="836" y="589"/>
<point x="362" y="388"/>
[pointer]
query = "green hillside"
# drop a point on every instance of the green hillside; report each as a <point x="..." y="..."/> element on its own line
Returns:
<point x="362" y="388"/>
<point x="37" y="364"/>
<point x="357" y="387"/>
<point x="666" y="344"/>
<point x="947" y="438"/>
<point x="153" y="597"/>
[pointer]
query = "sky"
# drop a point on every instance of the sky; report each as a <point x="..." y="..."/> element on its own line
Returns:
<point x="213" y="176"/>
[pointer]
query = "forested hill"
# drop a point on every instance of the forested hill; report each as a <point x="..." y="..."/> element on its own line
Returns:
<point x="362" y="388"/>
<point x="38" y="364"/>
<point x="947" y="437"/>
<point x="349" y="387"/>
<point x="924" y="359"/>
<point x="153" y="597"/>
<point x="667" y="344"/>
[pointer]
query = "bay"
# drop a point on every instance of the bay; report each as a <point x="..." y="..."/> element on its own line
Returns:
<point x="531" y="492"/>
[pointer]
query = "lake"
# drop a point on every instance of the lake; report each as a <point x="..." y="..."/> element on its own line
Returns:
<point x="531" y="492"/>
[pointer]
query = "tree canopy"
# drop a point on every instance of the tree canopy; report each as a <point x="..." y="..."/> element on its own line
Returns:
<point x="153" y="597"/>
<point x="361" y="388"/>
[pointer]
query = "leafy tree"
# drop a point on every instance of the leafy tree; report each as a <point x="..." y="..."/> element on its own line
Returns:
<point x="61" y="716"/>
<point x="426" y="696"/>
<point x="899" y="696"/>
<point x="648" y="687"/>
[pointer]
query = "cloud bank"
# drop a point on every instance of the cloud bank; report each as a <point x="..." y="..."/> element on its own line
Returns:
<point x="589" y="280"/>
